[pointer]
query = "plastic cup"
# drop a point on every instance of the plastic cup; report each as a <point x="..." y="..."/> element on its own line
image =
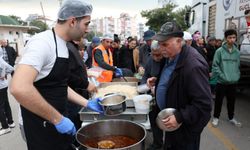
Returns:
<point x="142" y="103"/>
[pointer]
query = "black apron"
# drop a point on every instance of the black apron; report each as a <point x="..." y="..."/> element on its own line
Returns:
<point x="40" y="133"/>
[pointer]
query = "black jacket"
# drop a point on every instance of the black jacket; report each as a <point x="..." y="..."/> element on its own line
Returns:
<point x="200" y="49"/>
<point x="89" y="60"/>
<point x="189" y="92"/>
<point x="115" y="54"/>
<point x="126" y="59"/>
<point x="78" y="74"/>
<point x="12" y="54"/>
<point x="100" y="60"/>
<point x="210" y="54"/>
<point x="144" y="54"/>
<point x="152" y="69"/>
<point x="78" y="81"/>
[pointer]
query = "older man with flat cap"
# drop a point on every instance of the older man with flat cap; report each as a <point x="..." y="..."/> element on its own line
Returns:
<point x="183" y="85"/>
<point x="40" y="83"/>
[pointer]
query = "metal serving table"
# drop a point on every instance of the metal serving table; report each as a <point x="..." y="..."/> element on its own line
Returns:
<point x="129" y="102"/>
<point x="88" y="116"/>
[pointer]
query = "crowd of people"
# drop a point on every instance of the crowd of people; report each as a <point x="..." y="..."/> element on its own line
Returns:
<point x="51" y="81"/>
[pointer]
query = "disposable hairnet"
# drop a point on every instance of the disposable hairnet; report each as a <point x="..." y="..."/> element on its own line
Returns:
<point x="74" y="8"/>
<point x="108" y="37"/>
<point x="154" y="45"/>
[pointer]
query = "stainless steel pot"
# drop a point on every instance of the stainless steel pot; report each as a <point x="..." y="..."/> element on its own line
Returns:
<point x="113" y="104"/>
<point x="113" y="127"/>
<point x="163" y="114"/>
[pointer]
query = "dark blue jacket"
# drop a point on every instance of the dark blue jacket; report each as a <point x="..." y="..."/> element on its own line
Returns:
<point x="189" y="92"/>
<point x="152" y="69"/>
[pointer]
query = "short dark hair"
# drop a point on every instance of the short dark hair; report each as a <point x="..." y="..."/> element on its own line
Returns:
<point x="230" y="32"/>
<point x="61" y="21"/>
<point x="197" y="31"/>
<point x="116" y="38"/>
<point x="247" y="11"/>
<point x="132" y="39"/>
<point x="78" y="19"/>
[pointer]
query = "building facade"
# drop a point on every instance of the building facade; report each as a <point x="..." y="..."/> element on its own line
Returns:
<point x="12" y="31"/>
<point x="124" y="26"/>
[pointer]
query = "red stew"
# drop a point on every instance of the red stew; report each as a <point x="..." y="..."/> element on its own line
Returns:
<point x="119" y="140"/>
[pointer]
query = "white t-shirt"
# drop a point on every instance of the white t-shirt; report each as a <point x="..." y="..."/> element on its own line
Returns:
<point x="40" y="53"/>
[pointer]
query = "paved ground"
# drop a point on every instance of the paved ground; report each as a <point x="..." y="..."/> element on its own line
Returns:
<point x="225" y="137"/>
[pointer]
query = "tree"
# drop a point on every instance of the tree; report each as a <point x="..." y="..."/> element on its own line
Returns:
<point x="157" y="17"/>
<point x="37" y="23"/>
<point x="91" y="34"/>
<point x="180" y="16"/>
<point x="18" y="19"/>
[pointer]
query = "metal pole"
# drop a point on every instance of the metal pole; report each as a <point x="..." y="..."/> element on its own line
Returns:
<point x="41" y="4"/>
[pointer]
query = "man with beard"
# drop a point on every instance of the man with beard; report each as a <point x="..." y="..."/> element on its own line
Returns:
<point x="40" y="82"/>
<point x="103" y="60"/>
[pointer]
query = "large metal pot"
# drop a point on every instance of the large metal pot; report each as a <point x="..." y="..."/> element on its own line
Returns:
<point x="113" y="127"/>
<point x="113" y="104"/>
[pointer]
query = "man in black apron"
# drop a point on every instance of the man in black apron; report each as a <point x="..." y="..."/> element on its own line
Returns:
<point x="40" y="83"/>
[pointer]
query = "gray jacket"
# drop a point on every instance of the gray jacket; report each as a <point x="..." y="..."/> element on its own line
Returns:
<point x="144" y="54"/>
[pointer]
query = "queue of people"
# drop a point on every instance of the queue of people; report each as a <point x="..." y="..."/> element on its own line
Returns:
<point x="52" y="85"/>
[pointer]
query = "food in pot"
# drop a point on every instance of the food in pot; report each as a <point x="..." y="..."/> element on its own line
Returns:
<point x="119" y="141"/>
<point x="127" y="90"/>
<point x="106" y="144"/>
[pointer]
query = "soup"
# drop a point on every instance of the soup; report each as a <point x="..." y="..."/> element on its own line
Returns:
<point x="119" y="141"/>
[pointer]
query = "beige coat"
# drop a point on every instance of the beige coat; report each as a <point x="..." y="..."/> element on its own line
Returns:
<point x="136" y="58"/>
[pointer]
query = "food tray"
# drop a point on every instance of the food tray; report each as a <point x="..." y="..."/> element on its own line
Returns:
<point x="105" y="84"/>
<point x="129" y="79"/>
<point x="130" y="114"/>
<point x="129" y="102"/>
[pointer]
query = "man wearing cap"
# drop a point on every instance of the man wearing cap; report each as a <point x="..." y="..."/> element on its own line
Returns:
<point x="183" y="85"/>
<point x="95" y="42"/>
<point x="40" y="81"/>
<point x="102" y="58"/>
<point x="210" y="48"/>
<point x="145" y="49"/>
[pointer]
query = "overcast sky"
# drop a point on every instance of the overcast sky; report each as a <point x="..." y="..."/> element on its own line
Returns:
<point x="101" y="8"/>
